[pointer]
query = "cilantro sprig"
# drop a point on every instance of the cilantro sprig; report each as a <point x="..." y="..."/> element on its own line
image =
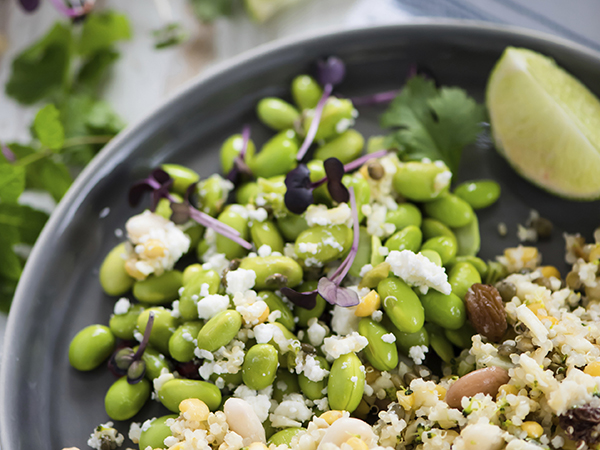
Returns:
<point x="431" y="122"/>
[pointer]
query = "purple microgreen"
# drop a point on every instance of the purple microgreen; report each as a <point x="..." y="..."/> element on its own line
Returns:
<point x="375" y="99"/>
<point x="335" y="171"/>
<point x="239" y="163"/>
<point x="353" y="165"/>
<point x="219" y="227"/>
<point x="331" y="71"/>
<point x="8" y="153"/>
<point x="314" y="124"/>
<point x="126" y="361"/>
<point x="136" y="372"/>
<point x="306" y="300"/>
<point x="337" y="295"/>
<point x="158" y="183"/>
<point x="74" y="11"/>
<point x="298" y="194"/>
<point x="123" y="359"/>
<point x="29" y="5"/>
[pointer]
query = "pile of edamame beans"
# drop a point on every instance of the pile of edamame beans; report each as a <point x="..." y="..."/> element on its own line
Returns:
<point x="291" y="250"/>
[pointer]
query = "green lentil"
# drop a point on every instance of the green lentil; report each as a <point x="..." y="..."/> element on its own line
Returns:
<point x="162" y="329"/>
<point x="155" y="435"/>
<point x="123" y="325"/>
<point x="409" y="238"/>
<point x="266" y="233"/>
<point x="277" y="304"/>
<point x="313" y="390"/>
<point x="406" y="214"/>
<point x="277" y="156"/>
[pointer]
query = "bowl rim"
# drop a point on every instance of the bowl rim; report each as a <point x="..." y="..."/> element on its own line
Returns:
<point x="105" y="161"/>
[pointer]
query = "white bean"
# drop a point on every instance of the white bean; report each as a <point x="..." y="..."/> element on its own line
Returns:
<point x="242" y="419"/>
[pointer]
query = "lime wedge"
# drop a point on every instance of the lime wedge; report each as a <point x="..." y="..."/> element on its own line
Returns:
<point x="546" y="123"/>
<point x="263" y="10"/>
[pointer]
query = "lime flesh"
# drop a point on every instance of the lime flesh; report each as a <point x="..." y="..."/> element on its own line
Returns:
<point x="546" y="123"/>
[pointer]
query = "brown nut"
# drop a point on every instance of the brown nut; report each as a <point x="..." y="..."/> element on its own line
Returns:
<point x="486" y="312"/>
<point x="486" y="381"/>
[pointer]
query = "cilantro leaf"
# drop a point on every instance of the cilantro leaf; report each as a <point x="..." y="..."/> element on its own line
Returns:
<point x="48" y="128"/>
<point x="42" y="69"/>
<point x="94" y="69"/>
<point x="28" y="222"/>
<point x="209" y="10"/>
<point x="10" y="264"/>
<point x="12" y="182"/>
<point x="433" y="123"/>
<point x="101" y="30"/>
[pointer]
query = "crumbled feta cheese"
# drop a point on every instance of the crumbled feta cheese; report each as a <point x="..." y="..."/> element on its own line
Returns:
<point x="211" y="305"/>
<point x="416" y="270"/>
<point x="310" y="367"/>
<point x="417" y="353"/>
<point x="383" y="251"/>
<point x="103" y="433"/>
<point x="260" y="401"/>
<point x="122" y="306"/>
<point x="376" y="224"/>
<point x="134" y="432"/>
<point x="365" y="269"/>
<point x="330" y="241"/>
<point x="264" y="251"/>
<point x="441" y="181"/>
<point x="217" y="261"/>
<point x="258" y="214"/>
<point x="377" y="315"/>
<point x="308" y="247"/>
<point x="336" y="346"/>
<point x="321" y="215"/>
<point x="164" y="376"/>
<point x="316" y="332"/>
<point x="343" y="320"/>
<point x="343" y="124"/>
<point x="291" y="412"/>
<point x="240" y="280"/>
<point x="389" y="338"/>
<point x="252" y="312"/>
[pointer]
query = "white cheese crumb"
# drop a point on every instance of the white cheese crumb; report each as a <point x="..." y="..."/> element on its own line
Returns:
<point x="343" y="320"/>
<point x="210" y="306"/>
<point x="122" y="306"/>
<point x="377" y="315"/>
<point x="416" y="270"/>
<point x="365" y="269"/>
<point x="134" y="432"/>
<point x="417" y="353"/>
<point x="316" y="332"/>
<point x="336" y="346"/>
<point x="264" y="251"/>
<point x="258" y="215"/>
<point x="389" y="338"/>
<point x="240" y="280"/>
<point x="321" y="215"/>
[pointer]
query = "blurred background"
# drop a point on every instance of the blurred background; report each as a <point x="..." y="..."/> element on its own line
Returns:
<point x="109" y="63"/>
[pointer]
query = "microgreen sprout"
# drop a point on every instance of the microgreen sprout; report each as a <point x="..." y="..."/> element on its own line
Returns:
<point x="330" y="72"/>
<point x="299" y="188"/>
<point x="127" y="361"/>
<point x="375" y="99"/>
<point x="159" y="183"/>
<point x="239" y="163"/>
<point x="8" y="153"/>
<point x="29" y="5"/>
<point x="329" y="287"/>
<point x="73" y="11"/>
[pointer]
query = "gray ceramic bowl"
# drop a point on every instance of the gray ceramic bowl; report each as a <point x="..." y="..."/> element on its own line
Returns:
<point x="45" y="404"/>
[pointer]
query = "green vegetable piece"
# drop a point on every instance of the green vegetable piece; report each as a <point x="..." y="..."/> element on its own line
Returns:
<point x="114" y="279"/>
<point x="277" y="304"/>
<point x="123" y="325"/>
<point x="188" y="303"/>
<point x="210" y="195"/>
<point x="447" y="311"/>
<point x="90" y="347"/>
<point x="174" y="391"/>
<point x="231" y="149"/>
<point x="181" y="345"/>
<point x="461" y="277"/>
<point x="363" y="255"/>
<point x="317" y="172"/>
<point x="439" y="343"/>
<point x="362" y="191"/>
<point x="434" y="228"/>
<point x="48" y="128"/>
<point x="276" y="113"/>
<point x="468" y="239"/>
<point x="323" y="243"/>
<point x="376" y="256"/>
<point x="346" y="383"/>
<point x="228" y="378"/>
<point x="155" y="435"/>
<point x="444" y="246"/>
<point x="451" y="210"/>
<point x="421" y="182"/>
<point x="266" y="233"/>
<point x="271" y="271"/>
<point x="346" y="147"/>
<point x="306" y="92"/>
<point x="247" y="192"/>
<point x="190" y="272"/>
<point x="233" y="217"/>
<point x="406" y="214"/>
<point x="479" y="194"/>
<point x="313" y="390"/>
<point x="381" y="351"/>
<point x="303" y="314"/>
<point x="260" y="366"/>
<point x="461" y="337"/>
<point x="158" y="290"/>
<point x="285" y="383"/>
<point x="478" y="263"/>
<point x="124" y="400"/>
<point x="432" y="256"/>
<point x="182" y="177"/>
<point x="220" y="330"/>
<point x="284" y="437"/>
<point x="163" y="327"/>
<point x="277" y="156"/>
<point x="155" y="362"/>
<point x="338" y="115"/>
<point x="401" y="305"/>
<point x="409" y="238"/>
<point x="404" y="341"/>
<point x="291" y="225"/>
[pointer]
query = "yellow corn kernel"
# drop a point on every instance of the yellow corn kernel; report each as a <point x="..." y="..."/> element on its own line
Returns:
<point x="364" y="171"/>
<point x="406" y="401"/>
<point x="535" y="307"/>
<point x="264" y="316"/>
<point x="522" y="256"/>
<point x="257" y="446"/>
<point x="357" y="443"/>
<point x="533" y="429"/>
<point x="550" y="271"/>
<point x="178" y="446"/>
<point x="331" y="416"/>
<point x="553" y="320"/>
<point x="133" y="271"/>
<point x="441" y="391"/>
<point x="153" y="248"/>
<point x="368" y="304"/>
<point x="194" y="409"/>
<point x="593" y="369"/>
<point x="506" y="389"/>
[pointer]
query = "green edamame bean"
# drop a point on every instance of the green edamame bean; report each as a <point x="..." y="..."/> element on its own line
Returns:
<point x="409" y="238"/>
<point x="495" y="272"/>
<point x="439" y="343"/>
<point x="174" y="391"/>
<point x="284" y="437"/>
<point x="181" y="343"/>
<point x="467" y="238"/>
<point x="155" y="362"/>
<point x="247" y="192"/>
<point x="476" y="262"/>
<point x="461" y="277"/>
<point x="114" y="279"/>
<point x="338" y="114"/>
<point x="422" y="182"/>
<point x="303" y="314"/>
<point x="317" y="172"/>
<point x="461" y="337"/>
<point x="154" y="436"/>
<point x="228" y="378"/>
<point x="406" y="214"/>
<point x="313" y="390"/>
<point x="432" y="256"/>
<point x="478" y="194"/>
<point x="404" y="341"/>
<point x="163" y="327"/>
<point x="158" y="290"/>
<point x="381" y="352"/>
<point x="210" y="195"/>
<point x="182" y="177"/>
<point x="190" y="272"/>
<point x="123" y="325"/>
<point x="443" y="246"/>
<point x="271" y="271"/>
<point x="323" y="243"/>
<point x="362" y="191"/>
<point x="401" y="305"/>
<point x="447" y="311"/>
<point x="433" y="228"/>
<point x="220" y="330"/>
<point x="376" y="256"/>
<point x="231" y="149"/>
<point x="346" y="383"/>
<point x="451" y="210"/>
<point x="124" y="400"/>
<point x="363" y="255"/>
<point x="188" y="303"/>
<point x="163" y="208"/>
<point x="276" y="113"/>
<point x="346" y="147"/>
<point x="266" y="233"/>
<point x="90" y="347"/>
<point x="195" y="232"/>
<point x="260" y="366"/>
<point x="277" y="156"/>
<point x="376" y="143"/>
<point x="306" y="92"/>
<point x="285" y="383"/>
<point x="291" y="225"/>
<point x="287" y="334"/>
<point x="233" y="217"/>
<point x="277" y="304"/>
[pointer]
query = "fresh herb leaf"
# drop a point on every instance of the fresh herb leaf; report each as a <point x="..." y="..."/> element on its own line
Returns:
<point x="42" y="69"/>
<point x="7" y="292"/>
<point x="103" y="120"/>
<point x="94" y="69"/>
<point x="12" y="182"/>
<point x="209" y="10"/>
<point x="101" y="30"/>
<point x="48" y="128"/>
<point x="169" y="35"/>
<point x="27" y="221"/>
<point x="433" y="123"/>
<point x="10" y="264"/>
